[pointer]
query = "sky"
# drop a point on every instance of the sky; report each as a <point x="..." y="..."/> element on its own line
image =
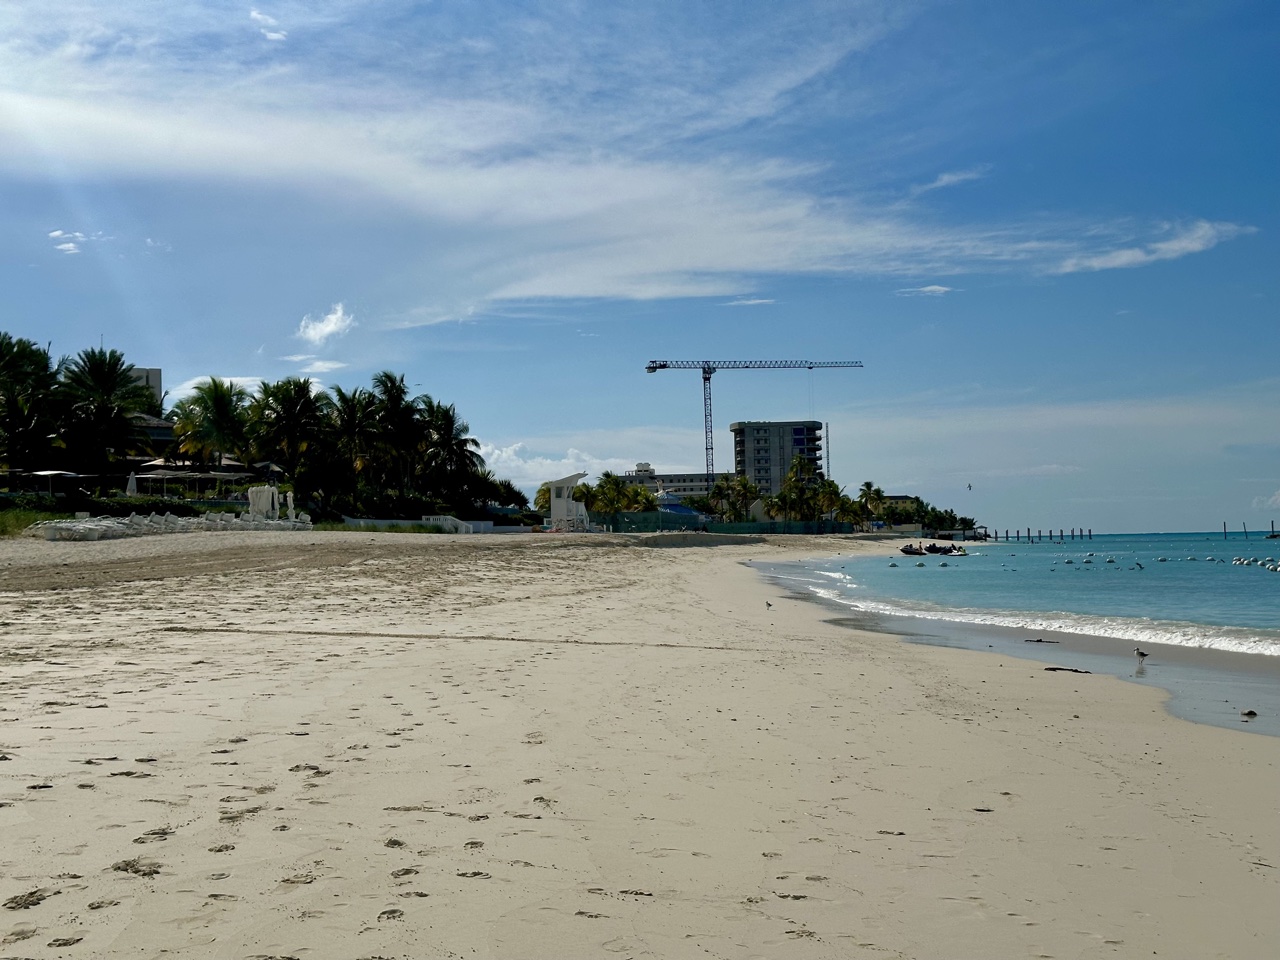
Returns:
<point x="1048" y="231"/>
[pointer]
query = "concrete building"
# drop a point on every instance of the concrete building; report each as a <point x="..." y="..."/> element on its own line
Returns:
<point x="676" y="484"/>
<point x="149" y="377"/>
<point x="763" y="450"/>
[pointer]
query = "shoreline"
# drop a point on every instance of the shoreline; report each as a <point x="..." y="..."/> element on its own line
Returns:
<point x="373" y="745"/>
<point x="1205" y="686"/>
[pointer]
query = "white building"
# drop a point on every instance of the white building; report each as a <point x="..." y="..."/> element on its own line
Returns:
<point x="676" y="484"/>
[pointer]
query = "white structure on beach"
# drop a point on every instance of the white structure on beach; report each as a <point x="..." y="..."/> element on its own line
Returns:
<point x="567" y="514"/>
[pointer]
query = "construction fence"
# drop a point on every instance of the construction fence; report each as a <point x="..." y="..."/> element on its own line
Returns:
<point x="657" y="521"/>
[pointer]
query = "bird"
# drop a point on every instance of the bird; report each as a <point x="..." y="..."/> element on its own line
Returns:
<point x="1141" y="656"/>
<point x="768" y="605"/>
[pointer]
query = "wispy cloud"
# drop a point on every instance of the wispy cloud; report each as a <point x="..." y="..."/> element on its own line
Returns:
<point x="298" y="357"/>
<point x="1267" y="503"/>
<point x="553" y="149"/>
<point x="1182" y="240"/>
<point x="950" y="179"/>
<point x="317" y="330"/>
<point x="72" y="241"/>
<point x="267" y="25"/>
<point x="932" y="290"/>
<point x="747" y="302"/>
<point x="324" y="366"/>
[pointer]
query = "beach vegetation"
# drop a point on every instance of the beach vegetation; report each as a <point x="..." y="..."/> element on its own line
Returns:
<point x="379" y="450"/>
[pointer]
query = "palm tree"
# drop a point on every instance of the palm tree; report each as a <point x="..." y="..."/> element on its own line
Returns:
<point x="638" y="498"/>
<point x="611" y="491"/>
<point x="286" y="419"/>
<point x="720" y="496"/>
<point x="353" y="434"/>
<point x="102" y="398"/>
<point x="452" y="456"/>
<point x="745" y="493"/>
<point x="586" y="495"/>
<point x="872" y="497"/>
<point x="542" y="499"/>
<point x="402" y="430"/>
<point x="28" y="383"/>
<point x="509" y="495"/>
<point x="829" y="496"/>
<point x="211" y="422"/>
<point x="851" y="511"/>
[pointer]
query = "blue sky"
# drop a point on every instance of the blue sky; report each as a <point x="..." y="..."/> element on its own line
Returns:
<point x="1048" y="230"/>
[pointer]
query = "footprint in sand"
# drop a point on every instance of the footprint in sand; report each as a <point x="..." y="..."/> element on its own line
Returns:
<point x="32" y="898"/>
<point x="474" y="874"/>
<point x="64" y="941"/>
<point x="103" y="904"/>
<point x="21" y="931"/>
<point x="473" y="844"/>
<point x="390" y="915"/>
<point x="404" y="872"/>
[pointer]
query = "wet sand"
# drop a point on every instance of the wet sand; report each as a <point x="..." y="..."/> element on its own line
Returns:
<point x="359" y="745"/>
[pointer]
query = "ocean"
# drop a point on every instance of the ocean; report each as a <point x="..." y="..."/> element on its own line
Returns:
<point x="1209" y="620"/>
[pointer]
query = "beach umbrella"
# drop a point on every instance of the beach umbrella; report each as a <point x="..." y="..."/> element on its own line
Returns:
<point x="131" y="488"/>
<point x="54" y="473"/>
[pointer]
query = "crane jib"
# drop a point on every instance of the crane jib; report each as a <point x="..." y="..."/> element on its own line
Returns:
<point x="708" y="367"/>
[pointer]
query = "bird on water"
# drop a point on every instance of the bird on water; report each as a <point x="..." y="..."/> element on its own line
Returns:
<point x="1141" y="656"/>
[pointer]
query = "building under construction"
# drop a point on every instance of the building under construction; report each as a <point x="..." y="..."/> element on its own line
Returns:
<point x="764" y="450"/>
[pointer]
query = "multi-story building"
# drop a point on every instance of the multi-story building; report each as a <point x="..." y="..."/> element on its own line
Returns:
<point x="676" y="484"/>
<point x="150" y="378"/>
<point x="763" y="450"/>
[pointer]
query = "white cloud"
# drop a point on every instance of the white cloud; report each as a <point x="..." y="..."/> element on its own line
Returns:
<point x="1267" y="503"/>
<point x="527" y="463"/>
<point x="185" y="388"/>
<point x="932" y="290"/>
<point x="265" y="22"/>
<point x="333" y="324"/>
<point x="67" y="247"/>
<point x="951" y="179"/>
<point x="746" y="302"/>
<point x="323" y="366"/>
<point x="1196" y="237"/>
<point x="560" y="173"/>
<point x="298" y="357"/>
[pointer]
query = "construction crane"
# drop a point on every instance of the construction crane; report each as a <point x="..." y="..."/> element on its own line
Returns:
<point x="708" y="367"/>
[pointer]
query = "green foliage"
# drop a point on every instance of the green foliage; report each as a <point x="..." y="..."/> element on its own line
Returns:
<point x="13" y="522"/>
<point x="376" y="451"/>
<point x="123" y="506"/>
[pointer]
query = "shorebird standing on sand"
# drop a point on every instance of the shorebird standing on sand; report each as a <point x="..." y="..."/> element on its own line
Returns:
<point x="768" y="605"/>
<point x="1141" y="656"/>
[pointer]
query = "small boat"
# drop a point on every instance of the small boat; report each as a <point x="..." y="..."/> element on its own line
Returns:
<point x="911" y="550"/>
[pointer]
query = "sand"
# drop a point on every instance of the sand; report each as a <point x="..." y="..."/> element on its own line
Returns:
<point x="378" y="745"/>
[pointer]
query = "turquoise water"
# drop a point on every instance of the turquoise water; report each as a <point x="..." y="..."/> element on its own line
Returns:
<point x="1187" y="590"/>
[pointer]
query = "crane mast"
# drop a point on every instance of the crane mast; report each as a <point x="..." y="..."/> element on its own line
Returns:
<point x="709" y="367"/>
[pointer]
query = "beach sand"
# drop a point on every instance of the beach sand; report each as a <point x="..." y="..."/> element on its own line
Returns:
<point x="321" y="745"/>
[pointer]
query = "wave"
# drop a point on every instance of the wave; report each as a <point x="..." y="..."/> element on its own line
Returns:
<point x="1173" y="632"/>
